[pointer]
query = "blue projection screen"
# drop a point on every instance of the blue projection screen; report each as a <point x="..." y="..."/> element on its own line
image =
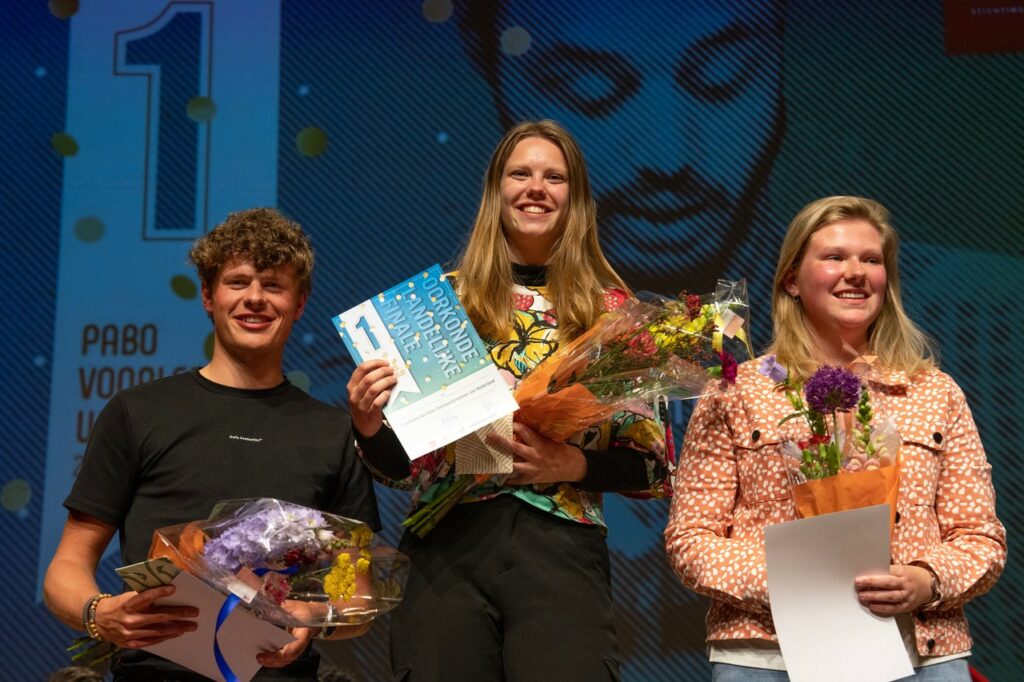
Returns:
<point x="131" y="128"/>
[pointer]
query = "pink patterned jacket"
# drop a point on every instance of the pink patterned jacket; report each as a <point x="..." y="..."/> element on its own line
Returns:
<point x="730" y="484"/>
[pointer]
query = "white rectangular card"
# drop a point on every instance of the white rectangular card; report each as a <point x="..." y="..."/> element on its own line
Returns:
<point x="448" y="386"/>
<point x="824" y="632"/>
<point x="242" y="636"/>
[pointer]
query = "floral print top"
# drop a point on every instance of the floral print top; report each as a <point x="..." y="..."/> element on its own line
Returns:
<point x="644" y="428"/>
<point x="731" y="484"/>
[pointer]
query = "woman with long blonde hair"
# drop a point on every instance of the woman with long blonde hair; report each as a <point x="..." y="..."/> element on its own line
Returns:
<point x="514" y="583"/>
<point x="892" y="336"/>
<point x="836" y="300"/>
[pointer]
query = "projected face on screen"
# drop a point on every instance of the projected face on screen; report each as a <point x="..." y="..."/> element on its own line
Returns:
<point x="678" y="110"/>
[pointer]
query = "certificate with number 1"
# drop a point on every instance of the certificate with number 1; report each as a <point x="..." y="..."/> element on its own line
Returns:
<point x="447" y="386"/>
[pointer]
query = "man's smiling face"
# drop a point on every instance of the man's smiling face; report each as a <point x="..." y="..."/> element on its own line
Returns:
<point x="678" y="112"/>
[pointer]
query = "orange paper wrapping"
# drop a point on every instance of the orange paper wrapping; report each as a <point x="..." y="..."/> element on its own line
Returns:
<point x="558" y="415"/>
<point x="848" y="490"/>
<point x="190" y="546"/>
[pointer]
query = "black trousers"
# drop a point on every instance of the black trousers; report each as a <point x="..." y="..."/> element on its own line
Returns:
<point x="502" y="591"/>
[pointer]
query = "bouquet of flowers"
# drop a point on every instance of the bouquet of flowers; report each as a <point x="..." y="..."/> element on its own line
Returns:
<point x="635" y="353"/>
<point x="642" y="350"/>
<point x="850" y="459"/>
<point x="291" y="565"/>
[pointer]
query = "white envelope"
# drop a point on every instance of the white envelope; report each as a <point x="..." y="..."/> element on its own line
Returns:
<point x="242" y="636"/>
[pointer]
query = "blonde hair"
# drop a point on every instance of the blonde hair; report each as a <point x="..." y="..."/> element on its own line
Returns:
<point x="578" y="272"/>
<point x="893" y="336"/>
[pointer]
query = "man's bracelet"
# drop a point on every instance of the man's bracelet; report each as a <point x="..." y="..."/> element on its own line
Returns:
<point x="89" y="615"/>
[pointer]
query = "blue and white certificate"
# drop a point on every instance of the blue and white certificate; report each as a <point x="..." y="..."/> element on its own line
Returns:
<point x="447" y="386"/>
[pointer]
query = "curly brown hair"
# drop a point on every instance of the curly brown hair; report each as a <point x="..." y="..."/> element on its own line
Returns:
<point x="261" y="235"/>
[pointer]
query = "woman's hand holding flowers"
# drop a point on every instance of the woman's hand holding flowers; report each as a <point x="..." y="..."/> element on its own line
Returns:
<point x="903" y="590"/>
<point x="368" y="391"/>
<point x="538" y="459"/>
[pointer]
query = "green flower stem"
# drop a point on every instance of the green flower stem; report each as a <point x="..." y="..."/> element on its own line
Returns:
<point x="426" y="517"/>
<point x="864" y="417"/>
<point x="833" y="446"/>
<point x="91" y="652"/>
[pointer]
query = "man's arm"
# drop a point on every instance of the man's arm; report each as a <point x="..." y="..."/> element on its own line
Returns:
<point x="129" y="620"/>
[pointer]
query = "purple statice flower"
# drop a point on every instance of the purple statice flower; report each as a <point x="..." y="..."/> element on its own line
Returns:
<point x="772" y="369"/>
<point x="831" y="389"/>
<point x="262" y="536"/>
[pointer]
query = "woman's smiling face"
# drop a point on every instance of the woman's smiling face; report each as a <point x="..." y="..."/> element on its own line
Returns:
<point x="534" y="199"/>
<point x="841" y="281"/>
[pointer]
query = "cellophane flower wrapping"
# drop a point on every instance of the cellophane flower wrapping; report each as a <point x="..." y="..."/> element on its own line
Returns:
<point x="847" y="456"/>
<point x="650" y="347"/>
<point x="289" y="564"/>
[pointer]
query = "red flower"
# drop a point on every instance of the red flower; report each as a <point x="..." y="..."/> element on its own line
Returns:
<point x="693" y="305"/>
<point x="813" y="441"/>
<point x="729" y="365"/>
<point x="642" y="346"/>
<point x="276" y="586"/>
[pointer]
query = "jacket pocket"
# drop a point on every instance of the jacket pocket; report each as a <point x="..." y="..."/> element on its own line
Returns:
<point x="922" y="450"/>
<point x="760" y="467"/>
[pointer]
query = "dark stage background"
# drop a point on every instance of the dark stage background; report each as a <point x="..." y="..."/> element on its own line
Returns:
<point x="129" y="128"/>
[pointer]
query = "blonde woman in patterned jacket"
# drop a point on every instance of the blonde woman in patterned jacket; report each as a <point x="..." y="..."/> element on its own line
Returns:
<point x="836" y="297"/>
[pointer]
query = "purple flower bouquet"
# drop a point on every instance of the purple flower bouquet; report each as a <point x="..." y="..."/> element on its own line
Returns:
<point x="289" y="564"/>
<point x="848" y="459"/>
<point x="844" y="434"/>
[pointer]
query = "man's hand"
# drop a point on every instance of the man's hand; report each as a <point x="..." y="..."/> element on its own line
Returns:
<point x="289" y="652"/>
<point x="133" y="621"/>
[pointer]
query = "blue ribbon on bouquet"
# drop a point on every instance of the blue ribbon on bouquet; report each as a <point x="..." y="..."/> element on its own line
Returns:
<point x="226" y="608"/>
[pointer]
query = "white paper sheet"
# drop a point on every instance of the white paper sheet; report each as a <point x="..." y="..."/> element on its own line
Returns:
<point x="824" y="632"/>
<point x="448" y="386"/>
<point x="242" y="636"/>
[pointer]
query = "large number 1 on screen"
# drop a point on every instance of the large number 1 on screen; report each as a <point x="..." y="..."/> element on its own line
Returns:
<point x="173" y="53"/>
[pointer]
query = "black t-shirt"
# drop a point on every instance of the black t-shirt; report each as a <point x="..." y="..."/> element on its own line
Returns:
<point x="163" y="453"/>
